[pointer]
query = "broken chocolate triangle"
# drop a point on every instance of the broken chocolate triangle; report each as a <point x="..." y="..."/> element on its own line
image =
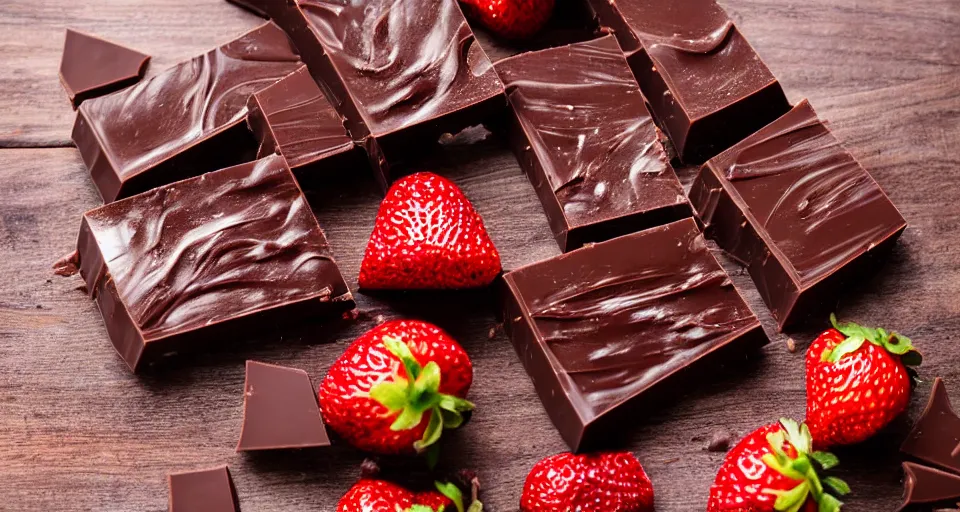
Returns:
<point x="207" y="490"/>
<point x="935" y="438"/>
<point x="928" y="486"/>
<point x="93" y="67"/>
<point x="280" y="410"/>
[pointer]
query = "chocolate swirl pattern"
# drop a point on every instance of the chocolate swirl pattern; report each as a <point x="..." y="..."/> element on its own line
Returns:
<point x="403" y="63"/>
<point x="600" y="327"/>
<point x="188" y="105"/>
<point x="584" y="130"/>
<point x="214" y="248"/>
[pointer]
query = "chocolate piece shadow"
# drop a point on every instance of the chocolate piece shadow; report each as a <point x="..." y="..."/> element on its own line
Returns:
<point x="606" y="328"/>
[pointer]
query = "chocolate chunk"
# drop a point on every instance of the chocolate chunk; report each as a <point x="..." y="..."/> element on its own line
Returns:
<point x="587" y="143"/>
<point x="209" y="490"/>
<point x="936" y="436"/>
<point x="706" y="85"/>
<point x="280" y="410"/>
<point x="292" y="118"/>
<point x="602" y="328"/>
<point x="801" y="213"/>
<point x="93" y="67"/>
<point x="188" y="120"/>
<point x="217" y="257"/>
<point x="923" y="485"/>
<point x="720" y="441"/>
<point x="401" y="73"/>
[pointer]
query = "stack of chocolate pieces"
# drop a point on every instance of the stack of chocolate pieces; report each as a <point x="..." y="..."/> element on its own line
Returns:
<point x="935" y="442"/>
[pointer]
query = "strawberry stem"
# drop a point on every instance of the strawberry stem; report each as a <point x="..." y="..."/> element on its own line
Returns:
<point x="416" y="395"/>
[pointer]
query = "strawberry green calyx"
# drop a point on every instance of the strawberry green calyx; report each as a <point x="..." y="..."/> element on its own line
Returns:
<point x="417" y="395"/>
<point x="453" y="492"/>
<point x="857" y="335"/>
<point x="802" y="467"/>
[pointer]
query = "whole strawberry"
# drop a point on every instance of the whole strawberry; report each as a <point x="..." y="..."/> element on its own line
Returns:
<point x="775" y="469"/>
<point x="396" y="388"/>
<point x="370" y="495"/>
<point x="857" y="382"/>
<point x="511" y="19"/>
<point x="601" y="482"/>
<point x="428" y="236"/>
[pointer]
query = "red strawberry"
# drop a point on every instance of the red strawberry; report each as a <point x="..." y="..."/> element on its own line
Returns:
<point x="511" y="19"/>
<point x="428" y="236"/>
<point x="857" y="382"/>
<point x="396" y="388"/>
<point x="601" y="482"/>
<point x="369" y="495"/>
<point x="774" y="469"/>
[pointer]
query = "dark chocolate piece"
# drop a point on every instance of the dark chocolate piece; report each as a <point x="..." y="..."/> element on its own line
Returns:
<point x="706" y="85"/>
<point x="280" y="410"/>
<point x="93" y="67"/>
<point x="588" y="144"/>
<point x="292" y="118"/>
<point x="936" y="436"/>
<point x="401" y="73"/>
<point x="924" y="487"/>
<point x="611" y="325"/>
<point x="188" y="120"/>
<point x="799" y="211"/>
<point x="254" y="6"/>
<point x="208" y="490"/>
<point x="211" y="258"/>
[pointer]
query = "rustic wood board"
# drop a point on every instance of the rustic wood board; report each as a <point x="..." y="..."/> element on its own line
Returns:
<point x="78" y="432"/>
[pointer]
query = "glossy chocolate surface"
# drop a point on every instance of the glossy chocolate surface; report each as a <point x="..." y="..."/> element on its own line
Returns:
<point x="183" y="122"/>
<point x="172" y="267"/>
<point x="925" y="486"/>
<point x="209" y="490"/>
<point x="399" y="72"/>
<point x="294" y="119"/>
<point x="599" y="327"/>
<point x="587" y="143"/>
<point x="706" y="85"/>
<point x="935" y="438"/>
<point x="280" y="410"/>
<point x="93" y="67"/>
<point x="798" y="210"/>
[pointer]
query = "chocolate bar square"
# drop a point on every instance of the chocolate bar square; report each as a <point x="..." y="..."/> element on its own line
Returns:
<point x="603" y="328"/>
<point x="799" y="211"/>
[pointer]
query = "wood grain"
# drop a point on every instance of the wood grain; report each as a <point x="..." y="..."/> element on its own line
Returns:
<point x="78" y="432"/>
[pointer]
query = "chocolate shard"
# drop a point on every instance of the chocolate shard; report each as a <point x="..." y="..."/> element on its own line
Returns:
<point x="935" y="438"/>
<point x="220" y="257"/>
<point x="208" y="490"/>
<point x="254" y="6"/>
<point x="280" y="410"/>
<point x="925" y="487"/>
<point x="92" y="66"/>
<point x="610" y="326"/>
<point x="183" y="122"/>
<point x="585" y="139"/>
<point x="706" y="85"/>
<point x="292" y="118"/>
<point x="401" y="73"/>
<point x="799" y="211"/>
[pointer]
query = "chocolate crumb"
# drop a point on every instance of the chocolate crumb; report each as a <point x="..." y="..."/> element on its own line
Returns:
<point x="791" y="345"/>
<point x="720" y="441"/>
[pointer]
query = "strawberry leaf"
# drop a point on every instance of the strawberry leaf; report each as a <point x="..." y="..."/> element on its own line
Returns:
<point x="784" y="469"/>
<point x="825" y="459"/>
<point x="846" y="347"/>
<point x="912" y="358"/>
<point x="829" y="503"/>
<point x="433" y="455"/>
<point x="792" y="500"/>
<point x="451" y="419"/>
<point x="425" y="388"/>
<point x="836" y="485"/>
<point x="432" y="434"/>
<point x="454" y="404"/>
<point x="402" y="351"/>
<point x="452" y="492"/>
<point x="408" y="418"/>
<point x="423" y="508"/>
<point x="392" y="395"/>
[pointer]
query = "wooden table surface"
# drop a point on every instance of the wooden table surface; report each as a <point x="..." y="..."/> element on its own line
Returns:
<point x="79" y="432"/>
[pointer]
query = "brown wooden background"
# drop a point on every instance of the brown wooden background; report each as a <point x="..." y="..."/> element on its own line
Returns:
<point x="79" y="432"/>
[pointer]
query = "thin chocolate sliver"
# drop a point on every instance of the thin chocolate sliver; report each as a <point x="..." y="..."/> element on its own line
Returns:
<point x="92" y="66"/>
<point x="927" y="487"/>
<point x="208" y="490"/>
